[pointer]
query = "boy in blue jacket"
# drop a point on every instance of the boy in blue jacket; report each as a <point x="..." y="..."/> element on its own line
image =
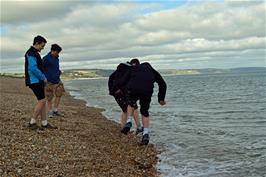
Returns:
<point x="35" y="80"/>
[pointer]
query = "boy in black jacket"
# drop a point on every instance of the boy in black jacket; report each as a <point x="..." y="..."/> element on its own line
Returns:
<point x="140" y="87"/>
<point x="117" y="88"/>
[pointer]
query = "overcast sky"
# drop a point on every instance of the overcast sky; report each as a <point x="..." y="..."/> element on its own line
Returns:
<point x="168" y="34"/>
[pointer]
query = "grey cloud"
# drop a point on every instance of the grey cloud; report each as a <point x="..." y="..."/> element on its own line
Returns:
<point x="23" y="12"/>
<point x="91" y="33"/>
<point x="209" y="20"/>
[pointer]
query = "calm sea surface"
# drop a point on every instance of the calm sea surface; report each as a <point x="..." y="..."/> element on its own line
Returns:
<point x="212" y="125"/>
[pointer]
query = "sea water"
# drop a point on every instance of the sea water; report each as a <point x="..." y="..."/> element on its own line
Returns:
<point x="212" y="126"/>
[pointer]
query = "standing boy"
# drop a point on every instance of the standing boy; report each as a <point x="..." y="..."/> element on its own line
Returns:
<point x="35" y="80"/>
<point x="54" y="86"/>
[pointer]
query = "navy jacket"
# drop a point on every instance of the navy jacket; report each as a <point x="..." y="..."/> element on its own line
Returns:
<point x="33" y="67"/>
<point x="51" y="68"/>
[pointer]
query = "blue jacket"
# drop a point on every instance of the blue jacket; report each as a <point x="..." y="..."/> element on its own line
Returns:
<point x="33" y="67"/>
<point x="51" y="68"/>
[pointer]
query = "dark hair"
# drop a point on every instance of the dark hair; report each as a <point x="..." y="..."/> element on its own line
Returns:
<point x="56" y="47"/>
<point x="39" y="39"/>
<point x="134" y="61"/>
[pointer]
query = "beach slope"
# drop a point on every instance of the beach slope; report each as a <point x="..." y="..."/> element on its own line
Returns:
<point x="85" y="143"/>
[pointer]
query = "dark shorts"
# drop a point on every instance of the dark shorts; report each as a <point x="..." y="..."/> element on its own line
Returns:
<point x="123" y="102"/>
<point x="144" y="101"/>
<point x="38" y="90"/>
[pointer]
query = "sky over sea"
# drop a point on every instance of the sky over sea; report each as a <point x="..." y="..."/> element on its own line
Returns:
<point x="168" y="34"/>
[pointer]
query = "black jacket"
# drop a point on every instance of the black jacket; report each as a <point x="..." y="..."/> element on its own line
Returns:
<point x="119" y="78"/>
<point x="142" y="78"/>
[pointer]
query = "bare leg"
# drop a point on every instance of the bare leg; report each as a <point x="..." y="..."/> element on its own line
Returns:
<point x="145" y="121"/>
<point x="49" y="104"/>
<point x="56" y="102"/>
<point x="136" y="118"/>
<point x="38" y="108"/>
<point x="128" y="125"/>
<point x="129" y="111"/>
<point x="43" y="112"/>
<point x="123" y="118"/>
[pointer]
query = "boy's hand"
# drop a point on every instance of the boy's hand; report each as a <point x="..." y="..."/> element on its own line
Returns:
<point x="45" y="81"/>
<point x="162" y="103"/>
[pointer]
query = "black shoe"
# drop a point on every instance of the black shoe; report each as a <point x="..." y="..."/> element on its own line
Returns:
<point x="145" y="139"/>
<point x="33" y="126"/>
<point x="126" y="128"/>
<point x="58" y="113"/>
<point x="49" y="126"/>
<point x="139" y="130"/>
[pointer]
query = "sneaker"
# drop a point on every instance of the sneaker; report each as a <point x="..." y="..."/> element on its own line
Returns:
<point x="126" y="128"/>
<point x="145" y="139"/>
<point x="49" y="126"/>
<point x="33" y="126"/>
<point x="50" y="114"/>
<point x="139" y="130"/>
<point x="58" y="113"/>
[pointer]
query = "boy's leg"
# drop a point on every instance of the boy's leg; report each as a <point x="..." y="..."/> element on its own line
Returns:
<point x="49" y="105"/>
<point x="128" y="124"/>
<point x="145" y="101"/>
<point x="43" y="114"/>
<point x="38" y="90"/>
<point x="49" y="94"/>
<point x="56" y="102"/>
<point x="146" y="123"/>
<point x="38" y="108"/>
<point x="123" y="118"/>
<point x="136" y="118"/>
<point x="50" y="108"/>
<point x="59" y="90"/>
<point x="131" y="99"/>
<point x="121" y="101"/>
<point x="139" y="128"/>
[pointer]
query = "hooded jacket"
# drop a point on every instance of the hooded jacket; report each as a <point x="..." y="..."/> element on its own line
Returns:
<point x="119" y="78"/>
<point x="142" y="78"/>
<point x="33" y="67"/>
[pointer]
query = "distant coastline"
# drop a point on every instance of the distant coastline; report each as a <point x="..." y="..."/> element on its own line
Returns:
<point x="72" y="74"/>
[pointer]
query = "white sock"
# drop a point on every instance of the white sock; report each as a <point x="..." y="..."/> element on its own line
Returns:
<point x="32" y="121"/>
<point x="55" y="110"/>
<point x="145" y="131"/>
<point x="44" y="122"/>
<point x="129" y="119"/>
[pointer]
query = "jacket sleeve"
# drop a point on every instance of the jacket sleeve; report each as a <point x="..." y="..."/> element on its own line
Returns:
<point x="162" y="85"/>
<point x="111" y="83"/>
<point x="45" y="62"/>
<point x="34" y="68"/>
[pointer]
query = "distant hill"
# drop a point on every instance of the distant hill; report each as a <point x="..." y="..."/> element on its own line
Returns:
<point x="85" y="73"/>
<point x="99" y="73"/>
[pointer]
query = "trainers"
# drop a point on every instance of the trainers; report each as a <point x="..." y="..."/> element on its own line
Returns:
<point x="50" y="114"/>
<point x="58" y="113"/>
<point x="145" y="139"/>
<point x="33" y="126"/>
<point x="126" y="128"/>
<point x="49" y="126"/>
<point x="139" y="130"/>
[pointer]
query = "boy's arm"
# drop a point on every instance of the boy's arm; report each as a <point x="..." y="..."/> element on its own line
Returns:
<point x="162" y="86"/>
<point x="111" y="83"/>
